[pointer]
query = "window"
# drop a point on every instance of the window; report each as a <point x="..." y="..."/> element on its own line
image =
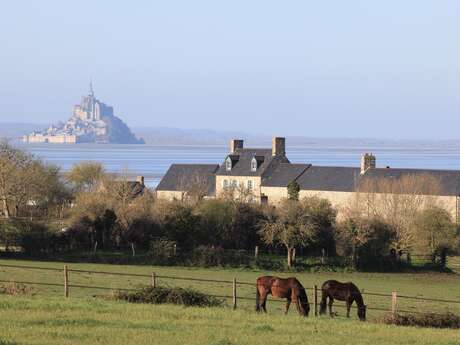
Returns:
<point x="254" y="164"/>
<point x="250" y="185"/>
<point x="228" y="164"/>
<point x="225" y="183"/>
<point x="234" y="183"/>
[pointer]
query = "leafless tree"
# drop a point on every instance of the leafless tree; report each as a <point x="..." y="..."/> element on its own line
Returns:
<point x="397" y="202"/>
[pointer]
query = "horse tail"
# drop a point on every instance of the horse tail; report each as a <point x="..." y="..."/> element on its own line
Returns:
<point x="257" y="298"/>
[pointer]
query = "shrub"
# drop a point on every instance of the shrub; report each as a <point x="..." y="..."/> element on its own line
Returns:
<point x="160" y="295"/>
<point x="217" y="256"/>
<point x="445" y="320"/>
<point x="36" y="238"/>
<point x="15" y="289"/>
<point x="162" y="248"/>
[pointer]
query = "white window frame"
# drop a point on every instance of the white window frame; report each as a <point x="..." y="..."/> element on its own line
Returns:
<point x="234" y="184"/>
<point x="225" y="183"/>
<point x="228" y="164"/>
<point x="254" y="164"/>
<point x="250" y="185"/>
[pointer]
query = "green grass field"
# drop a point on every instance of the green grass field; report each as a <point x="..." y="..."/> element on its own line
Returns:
<point x="53" y="320"/>
<point x="425" y="285"/>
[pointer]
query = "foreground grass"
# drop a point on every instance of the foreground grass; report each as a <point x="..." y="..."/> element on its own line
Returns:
<point x="89" y="321"/>
<point x="427" y="285"/>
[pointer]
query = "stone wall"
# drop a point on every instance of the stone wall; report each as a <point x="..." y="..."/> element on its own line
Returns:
<point x="241" y="180"/>
<point x="169" y="195"/>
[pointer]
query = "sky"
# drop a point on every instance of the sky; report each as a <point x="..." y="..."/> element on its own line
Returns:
<point x="382" y="69"/>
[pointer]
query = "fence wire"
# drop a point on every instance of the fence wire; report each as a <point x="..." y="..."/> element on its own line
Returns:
<point x="380" y="302"/>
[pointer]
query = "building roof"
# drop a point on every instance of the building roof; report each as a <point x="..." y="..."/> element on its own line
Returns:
<point x="339" y="179"/>
<point x="137" y="188"/>
<point x="284" y="173"/>
<point x="183" y="177"/>
<point x="242" y="162"/>
<point x="449" y="180"/>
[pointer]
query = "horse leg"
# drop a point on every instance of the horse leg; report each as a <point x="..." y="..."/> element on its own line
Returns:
<point x="257" y="300"/>
<point x="349" y="302"/>
<point x="323" y="304"/>
<point x="288" y="303"/>
<point x="331" y="301"/>
<point x="264" y="301"/>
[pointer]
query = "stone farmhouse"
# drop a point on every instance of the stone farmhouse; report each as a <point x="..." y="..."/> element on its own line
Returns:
<point x="264" y="175"/>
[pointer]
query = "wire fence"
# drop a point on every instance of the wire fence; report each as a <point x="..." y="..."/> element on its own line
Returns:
<point x="240" y="293"/>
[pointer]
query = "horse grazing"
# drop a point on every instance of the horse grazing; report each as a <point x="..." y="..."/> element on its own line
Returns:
<point x="289" y="288"/>
<point x="347" y="292"/>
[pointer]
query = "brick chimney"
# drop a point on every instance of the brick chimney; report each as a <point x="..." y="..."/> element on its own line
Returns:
<point x="367" y="162"/>
<point x="278" y="146"/>
<point x="235" y="144"/>
<point x="140" y="179"/>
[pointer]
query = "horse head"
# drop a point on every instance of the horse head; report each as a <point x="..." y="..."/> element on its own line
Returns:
<point x="303" y="302"/>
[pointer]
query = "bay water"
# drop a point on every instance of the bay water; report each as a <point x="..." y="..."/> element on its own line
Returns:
<point x="152" y="161"/>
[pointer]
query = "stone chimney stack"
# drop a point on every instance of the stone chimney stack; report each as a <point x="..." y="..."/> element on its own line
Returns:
<point x="236" y="144"/>
<point x="140" y="179"/>
<point x="278" y="146"/>
<point x="367" y="162"/>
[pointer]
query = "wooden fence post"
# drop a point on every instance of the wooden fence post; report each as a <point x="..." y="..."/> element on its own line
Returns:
<point x="394" y="301"/>
<point x="66" y="282"/>
<point x="234" y="293"/>
<point x="154" y="280"/>
<point x="256" y="252"/>
<point x="315" y="299"/>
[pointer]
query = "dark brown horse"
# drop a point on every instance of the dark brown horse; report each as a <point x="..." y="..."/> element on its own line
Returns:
<point x="347" y="292"/>
<point x="289" y="288"/>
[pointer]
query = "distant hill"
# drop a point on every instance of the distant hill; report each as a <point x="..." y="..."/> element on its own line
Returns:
<point x="178" y="136"/>
<point x="15" y="130"/>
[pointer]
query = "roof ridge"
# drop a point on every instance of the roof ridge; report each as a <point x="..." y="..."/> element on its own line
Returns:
<point x="303" y="171"/>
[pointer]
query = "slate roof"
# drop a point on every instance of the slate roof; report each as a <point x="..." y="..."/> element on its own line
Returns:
<point x="137" y="188"/>
<point x="242" y="159"/>
<point x="180" y="177"/>
<point x="321" y="178"/>
<point x="283" y="174"/>
<point x="449" y="180"/>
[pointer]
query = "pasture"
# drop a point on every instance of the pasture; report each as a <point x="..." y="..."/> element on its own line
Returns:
<point x="53" y="320"/>
<point x="421" y="285"/>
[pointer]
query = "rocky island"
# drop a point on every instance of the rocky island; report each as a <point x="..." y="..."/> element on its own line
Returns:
<point x="91" y="122"/>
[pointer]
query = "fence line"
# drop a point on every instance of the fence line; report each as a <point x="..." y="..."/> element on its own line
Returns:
<point x="234" y="283"/>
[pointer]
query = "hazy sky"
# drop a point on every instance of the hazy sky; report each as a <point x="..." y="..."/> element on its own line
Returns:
<point x="316" y="68"/>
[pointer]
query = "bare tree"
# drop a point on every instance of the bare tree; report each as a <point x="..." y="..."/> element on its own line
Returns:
<point x="193" y="188"/>
<point x="397" y="202"/>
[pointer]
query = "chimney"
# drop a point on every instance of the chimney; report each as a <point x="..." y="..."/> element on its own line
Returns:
<point x="367" y="162"/>
<point x="140" y="179"/>
<point x="235" y="144"/>
<point x="278" y="146"/>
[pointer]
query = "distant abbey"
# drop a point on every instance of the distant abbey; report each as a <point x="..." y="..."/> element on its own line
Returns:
<point x="92" y="122"/>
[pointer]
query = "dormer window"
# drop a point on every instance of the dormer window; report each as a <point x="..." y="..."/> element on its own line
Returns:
<point x="228" y="164"/>
<point x="254" y="164"/>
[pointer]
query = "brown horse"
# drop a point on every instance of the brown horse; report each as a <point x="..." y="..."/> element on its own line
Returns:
<point x="347" y="292"/>
<point x="289" y="288"/>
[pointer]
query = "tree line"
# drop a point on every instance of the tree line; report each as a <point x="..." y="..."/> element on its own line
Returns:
<point x="44" y="211"/>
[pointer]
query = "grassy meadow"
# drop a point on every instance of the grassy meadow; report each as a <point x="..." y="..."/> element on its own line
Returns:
<point x="52" y="320"/>
<point x="425" y="285"/>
